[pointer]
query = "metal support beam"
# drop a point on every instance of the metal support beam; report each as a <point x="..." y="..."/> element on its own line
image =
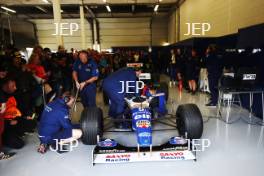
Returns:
<point x="96" y="44"/>
<point x="178" y="20"/>
<point x="178" y="24"/>
<point x="91" y="19"/>
<point x="94" y="28"/>
<point x="90" y="11"/>
<point x="10" y="30"/>
<point x="150" y="27"/>
<point x="2" y="32"/>
<point x="95" y="32"/>
<point x="82" y="20"/>
<point x="57" y="19"/>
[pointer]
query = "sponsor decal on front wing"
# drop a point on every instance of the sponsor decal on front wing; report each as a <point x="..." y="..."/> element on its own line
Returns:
<point x="143" y="156"/>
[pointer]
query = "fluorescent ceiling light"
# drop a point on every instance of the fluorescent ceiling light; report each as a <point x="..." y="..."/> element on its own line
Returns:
<point x="104" y="0"/>
<point x="7" y="9"/>
<point x="46" y="1"/>
<point x="165" y="44"/>
<point x="156" y="8"/>
<point x="41" y="9"/>
<point x="160" y="0"/>
<point x="108" y="8"/>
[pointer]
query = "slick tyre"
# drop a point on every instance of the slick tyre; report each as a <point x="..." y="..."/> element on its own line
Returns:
<point x="189" y="121"/>
<point x="91" y="125"/>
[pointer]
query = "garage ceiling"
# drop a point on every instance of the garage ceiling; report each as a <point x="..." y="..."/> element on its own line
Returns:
<point x="31" y="9"/>
<point x="41" y="2"/>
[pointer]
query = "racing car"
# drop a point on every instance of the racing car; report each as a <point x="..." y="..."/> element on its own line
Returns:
<point x="142" y="112"/>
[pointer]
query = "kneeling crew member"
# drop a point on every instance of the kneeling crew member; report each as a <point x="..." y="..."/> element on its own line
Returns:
<point x="55" y="126"/>
<point x="85" y="73"/>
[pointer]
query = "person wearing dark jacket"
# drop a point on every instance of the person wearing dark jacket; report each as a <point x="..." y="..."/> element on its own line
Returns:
<point x="214" y="69"/>
<point x="16" y="124"/>
<point x="54" y="71"/>
<point x="25" y="83"/>
<point x="65" y="62"/>
<point x="3" y="155"/>
<point x="192" y="71"/>
<point x="173" y="73"/>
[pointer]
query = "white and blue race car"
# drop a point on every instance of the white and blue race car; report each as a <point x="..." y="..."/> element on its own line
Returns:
<point x="141" y="116"/>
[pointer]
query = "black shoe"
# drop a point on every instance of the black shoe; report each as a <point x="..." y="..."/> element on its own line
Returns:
<point x="6" y="156"/>
<point x="193" y="92"/>
<point x="211" y="104"/>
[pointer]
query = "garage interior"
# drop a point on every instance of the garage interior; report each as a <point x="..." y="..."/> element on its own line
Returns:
<point x="234" y="128"/>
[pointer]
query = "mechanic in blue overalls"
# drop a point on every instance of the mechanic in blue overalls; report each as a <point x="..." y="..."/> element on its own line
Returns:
<point x="55" y="127"/>
<point x="85" y="73"/>
<point x="113" y="86"/>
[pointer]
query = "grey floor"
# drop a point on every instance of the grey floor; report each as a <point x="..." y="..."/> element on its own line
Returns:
<point x="236" y="149"/>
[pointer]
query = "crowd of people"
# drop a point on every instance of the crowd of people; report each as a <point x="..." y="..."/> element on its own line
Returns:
<point x="185" y="67"/>
<point x="26" y="86"/>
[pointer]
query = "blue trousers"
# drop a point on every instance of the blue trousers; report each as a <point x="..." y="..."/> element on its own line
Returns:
<point x="88" y="95"/>
<point x="117" y="104"/>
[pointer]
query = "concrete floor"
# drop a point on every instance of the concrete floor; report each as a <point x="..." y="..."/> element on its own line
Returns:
<point x="236" y="149"/>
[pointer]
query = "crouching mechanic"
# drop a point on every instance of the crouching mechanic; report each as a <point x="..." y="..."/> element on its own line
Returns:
<point x="115" y="88"/>
<point x="55" y="127"/>
<point x="85" y="73"/>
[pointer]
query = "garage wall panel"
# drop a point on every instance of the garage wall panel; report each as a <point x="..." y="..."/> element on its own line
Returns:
<point x="124" y="32"/>
<point x="118" y="32"/>
<point x="46" y="27"/>
<point x="225" y="17"/>
<point x="52" y="31"/>
<point x="127" y="25"/>
<point x="124" y="20"/>
<point x="126" y="38"/>
<point x="172" y="28"/>
<point x="132" y="31"/>
<point x="159" y="31"/>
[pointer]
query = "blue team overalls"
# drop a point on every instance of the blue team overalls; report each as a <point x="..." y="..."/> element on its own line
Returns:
<point x="54" y="123"/>
<point x="85" y="72"/>
<point x="112" y="85"/>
